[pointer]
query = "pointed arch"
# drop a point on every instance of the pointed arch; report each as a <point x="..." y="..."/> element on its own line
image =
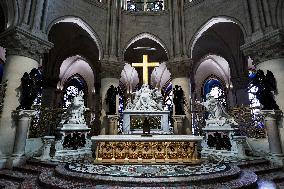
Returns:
<point x="82" y="24"/>
<point x="209" y="24"/>
<point x="10" y="11"/>
<point x="149" y="36"/>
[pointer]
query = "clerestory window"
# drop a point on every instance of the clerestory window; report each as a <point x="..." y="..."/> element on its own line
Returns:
<point x="144" y="5"/>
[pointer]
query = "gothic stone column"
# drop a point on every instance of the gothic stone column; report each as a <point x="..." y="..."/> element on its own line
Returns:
<point x="180" y="76"/>
<point x="240" y="90"/>
<point x="22" y="120"/>
<point x="270" y="120"/>
<point x="49" y="92"/>
<point x="110" y="75"/>
<point x="23" y="54"/>
<point x="268" y="54"/>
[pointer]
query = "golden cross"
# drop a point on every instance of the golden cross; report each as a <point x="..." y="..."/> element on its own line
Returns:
<point x="145" y="66"/>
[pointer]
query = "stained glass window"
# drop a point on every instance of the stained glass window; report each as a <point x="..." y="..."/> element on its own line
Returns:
<point x="74" y="85"/>
<point x="144" y="5"/>
<point x="215" y="88"/>
<point x="254" y="103"/>
<point x="70" y="92"/>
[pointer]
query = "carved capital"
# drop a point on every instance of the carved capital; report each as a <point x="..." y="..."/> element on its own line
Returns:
<point x="20" y="42"/>
<point x="179" y="68"/>
<point x="113" y="118"/>
<point x="272" y="114"/>
<point x="48" y="140"/>
<point x="111" y="69"/>
<point x="271" y="46"/>
<point x="23" y="114"/>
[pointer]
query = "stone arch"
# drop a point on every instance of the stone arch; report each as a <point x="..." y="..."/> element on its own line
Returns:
<point x="212" y="21"/>
<point x="208" y="66"/>
<point x="221" y="64"/>
<point x="82" y="24"/>
<point x="11" y="11"/>
<point x="77" y="66"/>
<point x="280" y="13"/>
<point x="149" y="36"/>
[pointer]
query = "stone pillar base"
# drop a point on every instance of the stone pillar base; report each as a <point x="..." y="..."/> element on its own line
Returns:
<point x="178" y="124"/>
<point x="47" y="142"/>
<point x="3" y="162"/>
<point x="276" y="159"/>
<point x="240" y="140"/>
<point x="112" y="124"/>
<point x="16" y="160"/>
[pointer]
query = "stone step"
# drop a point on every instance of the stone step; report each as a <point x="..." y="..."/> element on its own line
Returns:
<point x="251" y="163"/>
<point x="274" y="176"/>
<point x="49" y="180"/>
<point x="8" y="184"/>
<point x="13" y="175"/>
<point x="280" y="185"/>
<point x="30" y="184"/>
<point x="47" y="164"/>
<point x="60" y="178"/>
<point x="31" y="169"/>
<point x="265" y="169"/>
<point x="246" y="180"/>
<point x="24" y="179"/>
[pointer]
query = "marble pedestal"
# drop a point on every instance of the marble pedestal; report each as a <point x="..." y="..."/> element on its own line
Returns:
<point x="178" y="124"/>
<point x="236" y="151"/>
<point x="65" y="154"/>
<point x="22" y="119"/>
<point x="47" y="142"/>
<point x="112" y="124"/>
<point x="271" y="119"/>
<point x="164" y="121"/>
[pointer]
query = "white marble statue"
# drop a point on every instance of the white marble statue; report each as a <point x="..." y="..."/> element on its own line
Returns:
<point x="146" y="99"/>
<point x="75" y="111"/>
<point x="214" y="108"/>
<point x="216" y="111"/>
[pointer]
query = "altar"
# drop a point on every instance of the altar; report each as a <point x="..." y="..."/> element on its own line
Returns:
<point x="133" y="121"/>
<point x="177" y="149"/>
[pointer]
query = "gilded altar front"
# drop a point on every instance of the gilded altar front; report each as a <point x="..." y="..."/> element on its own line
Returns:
<point x="148" y="150"/>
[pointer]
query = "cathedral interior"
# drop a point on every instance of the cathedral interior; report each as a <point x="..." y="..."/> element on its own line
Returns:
<point x="141" y="93"/>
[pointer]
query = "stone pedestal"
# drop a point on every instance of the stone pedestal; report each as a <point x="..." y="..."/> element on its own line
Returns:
<point x="271" y="118"/>
<point x="184" y="83"/>
<point x="178" y="124"/>
<point x="22" y="119"/>
<point x="112" y="124"/>
<point x="67" y="154"/>
<point x="47" y="142"/>
<point x="270" y="121"/>
<point x="223" y="131"/>
<point x="240" y="141"/>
